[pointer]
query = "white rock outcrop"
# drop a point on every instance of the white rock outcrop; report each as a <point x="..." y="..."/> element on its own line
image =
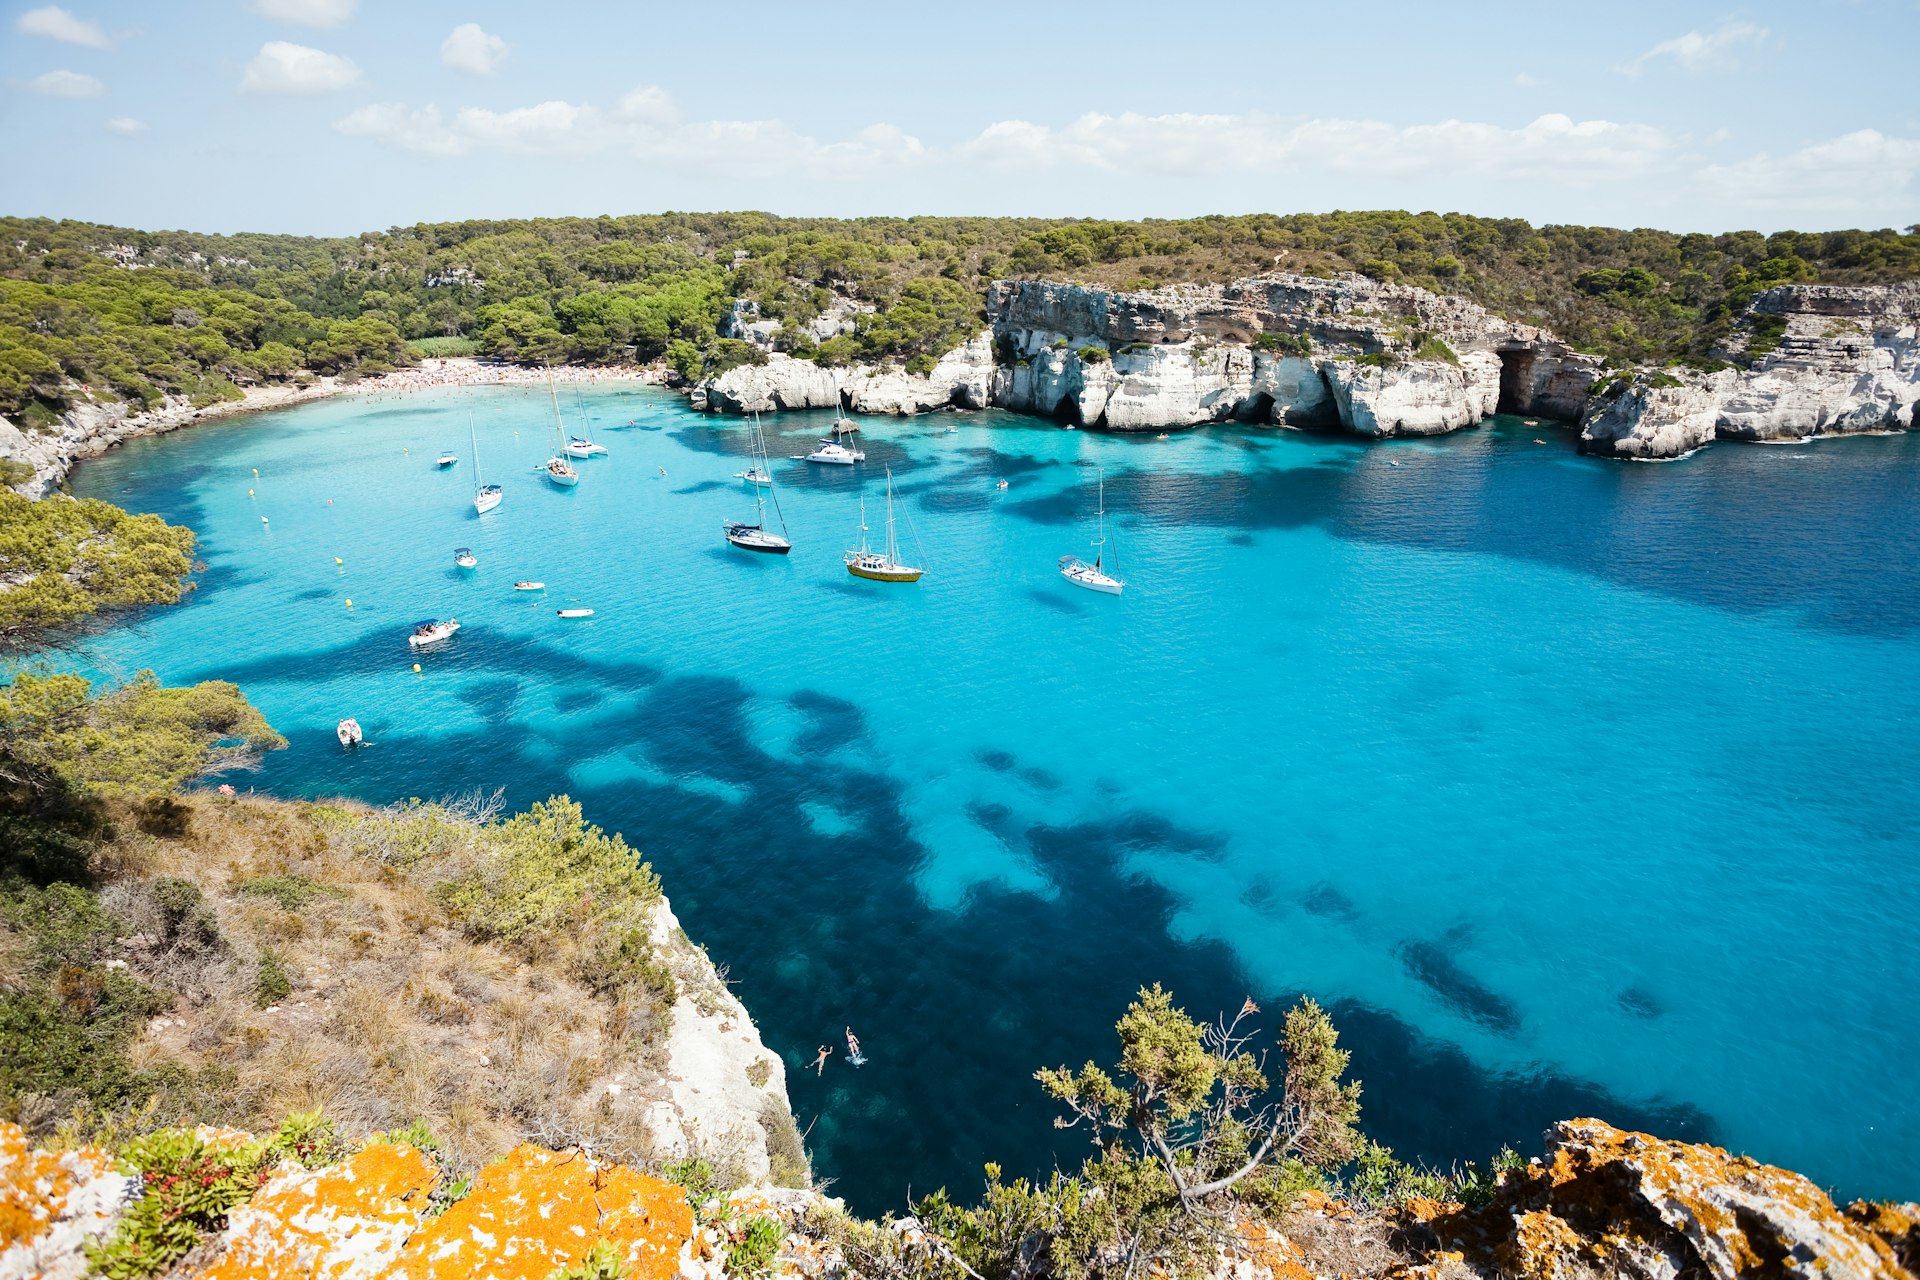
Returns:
<point x="726" y="1091"/>
<point x="1282" y="349"/>
<point x="1847" y="361"/>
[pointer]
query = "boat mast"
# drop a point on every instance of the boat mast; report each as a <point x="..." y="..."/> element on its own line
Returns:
<point x="766" y="469"/>
<point x="474" y="440"/>
<point x="559" y="435"/>
<point x="1100" y="547"/>
<point x="893" y="549"/>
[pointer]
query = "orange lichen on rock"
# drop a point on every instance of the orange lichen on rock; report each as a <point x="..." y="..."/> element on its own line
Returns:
<point x="52" y="1202"/>
<point x="1608" y="1199"/>
<point x="348" y="1221"/>
<point x="1269" y="1251"/>
<point x="536" y="1211"/>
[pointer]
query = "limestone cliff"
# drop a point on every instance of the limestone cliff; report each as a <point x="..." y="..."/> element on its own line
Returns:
<point x="1376" y="359"/>
<point x="1841" y="361"/>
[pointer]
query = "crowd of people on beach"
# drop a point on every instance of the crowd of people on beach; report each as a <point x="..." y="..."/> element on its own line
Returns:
<point x="460" y="371"/>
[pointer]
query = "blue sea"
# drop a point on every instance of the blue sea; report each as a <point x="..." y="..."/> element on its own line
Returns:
<point x="1570" y="787"/>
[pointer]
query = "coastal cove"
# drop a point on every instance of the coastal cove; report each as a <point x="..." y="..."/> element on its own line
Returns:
<point x="1570" y="788"/>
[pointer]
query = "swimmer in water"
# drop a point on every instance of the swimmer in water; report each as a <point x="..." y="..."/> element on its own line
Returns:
<point x="820" y="1062"/>
<point x="853" y="1045"/>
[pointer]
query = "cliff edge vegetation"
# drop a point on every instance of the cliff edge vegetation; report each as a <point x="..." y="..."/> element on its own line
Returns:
<point x="89" y="311"/>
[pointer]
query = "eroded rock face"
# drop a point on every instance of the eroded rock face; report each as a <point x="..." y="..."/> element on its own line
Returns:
<point x="962" y="377"/>
<point x="1847" y="361"/>
<point x="1606" y="1202"/>
<point x="1190" y="354"/>
<point x="1278" y="350"/>
<point x="1653" y="422"/>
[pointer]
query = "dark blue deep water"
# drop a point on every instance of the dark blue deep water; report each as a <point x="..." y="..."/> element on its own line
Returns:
<point x="1571" y="787"/>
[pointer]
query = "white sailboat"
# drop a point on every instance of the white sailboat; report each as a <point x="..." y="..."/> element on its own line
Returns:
<point x="758" y="470"/>
<point x="558" y="469"/>
<point x="756" y="536"/>
<point x="877" y="565"/>
<point x="486" y="496"/>
<point x="582" y="445"/>
<point x="1093" y="577"/>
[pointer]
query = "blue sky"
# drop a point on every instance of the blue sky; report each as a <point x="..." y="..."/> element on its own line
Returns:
<point x="337" y="116"/>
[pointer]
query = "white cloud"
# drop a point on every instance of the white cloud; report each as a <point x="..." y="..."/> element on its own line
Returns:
<point x="1701" y="51"/>
<point x="306" y="13"/>
<point x="1189" y="146"/>
<point x="281" y="67"/>
<point x="55" y="23"/>
<point x="468" y="48"/>
<point x="67" y="84"/>
<point x="1865" y="170"/>
<point x="127" y="126"/>
<point x="1525" y="81"/>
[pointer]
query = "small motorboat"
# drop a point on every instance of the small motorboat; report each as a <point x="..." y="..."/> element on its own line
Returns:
<point x="431" y="633"/>
<point x="1001" y="485"/>
<point x="348" y="731"/>
<point x="446" y="459"/>
<point x="754" y="475"/>
<point x="528" y="585"/>
<point x="837" y="454"/>
<point x="581" y="447"/>
<point x="464" y="558"/>
<point x="574" y="613"/>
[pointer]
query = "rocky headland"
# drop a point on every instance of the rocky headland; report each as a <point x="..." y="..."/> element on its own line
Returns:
<point x="1599" y="1204"/>
<point x="1375" y="359"/>
<point x="1808" y="361"/>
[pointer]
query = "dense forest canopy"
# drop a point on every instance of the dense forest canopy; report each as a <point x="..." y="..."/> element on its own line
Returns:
<point x="88" y="310"/>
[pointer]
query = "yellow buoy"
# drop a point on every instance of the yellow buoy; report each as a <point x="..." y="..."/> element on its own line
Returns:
<point x="338" y="560"/>
<point x="256" y="471"/>
<point x="416" y="668"/>
<point x="249" y="493"/>
<point x="349" y="604"/>
<point x="263" y="520"/>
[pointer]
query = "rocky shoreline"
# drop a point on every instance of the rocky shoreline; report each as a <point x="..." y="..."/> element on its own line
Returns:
<point x="91" y="429"/>
<point x="1377" y="360"/>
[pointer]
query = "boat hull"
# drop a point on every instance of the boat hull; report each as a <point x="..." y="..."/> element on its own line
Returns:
<point x="901" y="573"/>
<point x="485" y="502"/>
<point x="565" y="480"/>
<point x="1101" y="583"/>
<point x="763" y="542"/>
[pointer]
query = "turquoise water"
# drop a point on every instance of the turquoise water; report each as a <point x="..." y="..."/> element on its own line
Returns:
<point x="1571" y="787"/>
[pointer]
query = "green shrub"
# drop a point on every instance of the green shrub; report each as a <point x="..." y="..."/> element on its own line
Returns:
<point x="601" y="1263"/>
<point x="187" y="1191"/>
<point x="921" y="365"/>
<point x="290" y="892"/>
<point x="1286" y="344"/>
<point x="1432" y="348"/>
<point x="1764" y="332"/>
<point x="443" y="347"/>
<point x="271" y="984"/>
<point x="1093" y="355"/>
<point x="1058" y="344"/>
<point x="753" y="1247"/>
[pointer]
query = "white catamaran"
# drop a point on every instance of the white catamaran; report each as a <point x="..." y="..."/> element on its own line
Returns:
<point x="881" y="566"/>
<point x="756" y="536"/>
<point x="1093" y="577"/>
<point x="558" y="469"/>
<point x="487" y="496"/>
